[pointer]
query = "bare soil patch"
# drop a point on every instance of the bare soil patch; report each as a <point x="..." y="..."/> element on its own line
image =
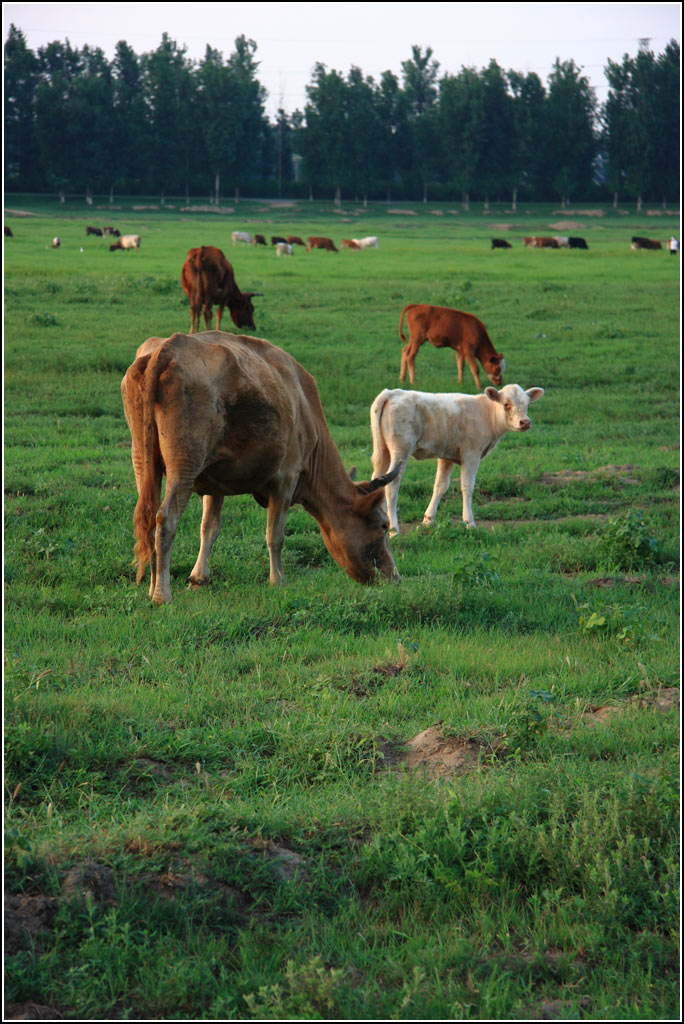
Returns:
<point x="31" y="1011"/>
<point x="25" y="917"/>
<point x="501" y="227"/>
<point x="563" y="476"/>
<point x="666" y="699"/>
<point x="90" y="880"/>
<point x="20" y="213"/>
<point x="437" y="755"/>
<point x="566" y="225"/>
<point x="196" y="209"/>
<point x="288" y="865"/>
<point x="582" y="213"/>
<point x="403" y="213"/>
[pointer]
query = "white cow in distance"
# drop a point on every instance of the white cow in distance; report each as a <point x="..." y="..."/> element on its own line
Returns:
<point x="371" y="242"/>
<point x="283" y="249"/>
<point x="241" y="236"/>
<point x="451" y="428"/>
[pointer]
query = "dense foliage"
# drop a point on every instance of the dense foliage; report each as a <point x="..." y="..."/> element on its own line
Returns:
<point x="162" y="123"/>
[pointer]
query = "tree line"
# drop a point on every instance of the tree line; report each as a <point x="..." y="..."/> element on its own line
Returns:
<point x="161" y="123"/>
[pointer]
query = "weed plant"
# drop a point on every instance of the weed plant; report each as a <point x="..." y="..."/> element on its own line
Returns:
<point x="208" y="811"/>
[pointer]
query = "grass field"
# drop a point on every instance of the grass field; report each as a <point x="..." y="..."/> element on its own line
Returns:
<point x="452" y="798"/>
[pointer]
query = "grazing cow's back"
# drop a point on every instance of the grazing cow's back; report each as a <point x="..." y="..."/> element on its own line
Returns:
<point x="501" y="243"/>
<point x="294" y="240"/>
<point x="94" y="231"/>
<point x="547" y="243"/>
<point x="451" y="428"/>
<point x="276" y="239"/>
<point x="259" y="240"/>
<point x="207" y="279"/>
<point x="221" y="415"/>
<point x="315" y="242"/>
<point x="577" y="243"/>
<point x="449" y="328"/>
<point x="126" y="242"/>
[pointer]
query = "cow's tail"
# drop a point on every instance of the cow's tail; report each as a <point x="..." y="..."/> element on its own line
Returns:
<point x="147" y="371"/>
<point x="401" y="320"/>
<point x="376" y="412"/>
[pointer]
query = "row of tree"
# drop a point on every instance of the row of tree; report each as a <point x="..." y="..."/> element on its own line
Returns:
<point x="162" y="123"/>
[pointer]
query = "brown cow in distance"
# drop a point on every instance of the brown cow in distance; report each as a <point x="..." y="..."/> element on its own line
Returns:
<point x="221" y="414"/>
<point x="547" y="243"/>
<point x="450" y="328"/>
<point x="645" y="243"/>
<point x="294" y="240"/>
<point x="349" y="243"/>
<point x="207" y="278"/>
<point x="320" y="243"/>
<point x="259" y="240"/>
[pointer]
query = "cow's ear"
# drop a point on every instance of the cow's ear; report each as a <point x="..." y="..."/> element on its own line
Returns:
<point x="492" y="394"/>
<point x="366" y="502"/>
<point x="534" y="393"/>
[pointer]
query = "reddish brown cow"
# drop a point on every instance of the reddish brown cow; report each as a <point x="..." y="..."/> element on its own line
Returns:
<point x="294" y="240"/>
<point x="259" y="240"/>
<point x="320" y="243"/>
<point x="530" y="242"/>
<point x="547" y="243"/>
<point x="221" y="414"/>
<point x="450" y="328"/>
<point x="207" y="278"/>
<point x="349" y="243"/>
<point x="645" y="243"/>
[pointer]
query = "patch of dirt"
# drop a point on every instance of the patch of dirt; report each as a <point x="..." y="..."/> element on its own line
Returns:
<point x="662" y="213"/>
<point x="501" y="227"/>
<point x="403" y="213"/>
<point x="288" y="865"/>
<point x="437" y="213"/>
<point x="20" y="213"/>
<point x="363" y="686"/>
<point x="626" y="474"/>
<point x="666" y="699"/>
<point x="582" y="213"/>
<point x="556" y="1009"/>
<point x="454" y="213"/>
<point x="90" y="880"/>
<point x="196" y="209"/>
<point x="148" y="766"/>
<point x="25" y="917"/>
<point x="438" y="755"/>
<point x="31" y="1011"/>
<point x="566" y="225"/>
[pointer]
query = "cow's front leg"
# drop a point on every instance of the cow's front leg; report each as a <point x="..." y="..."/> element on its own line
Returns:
<point x="209" y="531"/>
<point x="278" y="507"/>
<point x="442" y="481"/>
<point x="469" y="468"/>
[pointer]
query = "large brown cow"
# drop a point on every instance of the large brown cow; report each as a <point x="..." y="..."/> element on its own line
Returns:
<point x="449" y="328"/>
<point x="645" y="243"/>
<point x="547" y="243"/>
<point x="207" y="278"/>
<point x="223" y="414"/>
<point x="294" y="240"/>
<point x="315" y="242"/>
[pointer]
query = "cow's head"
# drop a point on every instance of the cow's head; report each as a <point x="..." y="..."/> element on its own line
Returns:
<point x="513" y="402"/>
<point x="494" y="368"/>
<point x="358" y="539"/>
<point x="242" y="310"/>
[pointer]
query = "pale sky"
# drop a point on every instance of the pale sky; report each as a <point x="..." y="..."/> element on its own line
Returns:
<point x="292" y="37"/>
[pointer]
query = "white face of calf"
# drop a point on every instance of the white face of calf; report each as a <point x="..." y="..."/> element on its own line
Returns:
<point x="513" y="402"/>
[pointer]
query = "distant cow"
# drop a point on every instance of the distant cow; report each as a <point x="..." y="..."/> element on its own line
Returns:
<point x="529" y="242"/>
<point x="546" y="243"/>
<point x="283" y="249"/>
<point x="241" y="237"/>
<point x="259" y="240"/>
<point x="501" y="243"/>
<point x="350" y="243"/>
<point x="126" y="242"/>
<point x="577" y="243"/>
<point x="294" y="240"/>
<point x="277" y="238"/>
<point x="645" y="243"/>
<point x="563" y="241"/>
<point x="207" y="279"/>
<point x="315" y="242"/>
<point x="94" y="231"/>
<point x="449" y="328"/>
<point x="371" y="242"/>
<point x="449" y="427"/>
<point x="221" y="414"/>
<point x="56" y="242"/>
<point x="111" y="231"/>
<point x="8" y="232"/>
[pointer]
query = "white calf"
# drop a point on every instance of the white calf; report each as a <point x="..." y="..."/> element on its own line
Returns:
<point x="371" y="242"/>
<point x="283" y="249"/>
<point x="448" y="427"/>
<point x="241" y="236"/>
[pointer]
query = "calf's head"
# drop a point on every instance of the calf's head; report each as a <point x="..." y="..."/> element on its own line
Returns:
<point x="513" y="403"/>
<point x="494" y="367"/>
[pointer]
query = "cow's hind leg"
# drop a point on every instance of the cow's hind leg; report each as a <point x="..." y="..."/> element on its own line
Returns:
<point x="392" y="493"/>
<point x="209" y="531"/>
<point x="278" y="507"/>
<point x="442" y="481"/>
<point x="176" y="497"/>
<point x="408" y="359"/>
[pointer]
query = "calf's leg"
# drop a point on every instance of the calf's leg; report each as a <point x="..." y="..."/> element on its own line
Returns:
<point x="469" y="468"/>
<point x="442" y="481"/>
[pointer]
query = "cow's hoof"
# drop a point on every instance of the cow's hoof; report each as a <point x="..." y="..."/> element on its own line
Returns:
<point x="194" y="584"/>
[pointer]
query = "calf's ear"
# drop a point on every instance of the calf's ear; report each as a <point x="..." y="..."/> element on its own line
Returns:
<point x="492" y="394"/>
<point x="534" y="393"/>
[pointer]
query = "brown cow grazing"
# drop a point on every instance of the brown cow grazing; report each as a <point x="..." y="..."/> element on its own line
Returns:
<point x="320" y="243"/>
<point x="529" y="242"/>
<point x="547" y="243"/>
<point x="449" y="328"/>
<point x="222" y="414"/>
<point x="126" y="242"/>
<point x="207" y="278"/>
<point x="277" y="238"/>
<point x="349" y="243"/>
<point x="294" y="240"/>
<point x="259" y="240"/>
<point x="94" y="231"/>
<point x="501" y="243"/>
<point x="645" y="243"/>
<point x="8" y="232"/>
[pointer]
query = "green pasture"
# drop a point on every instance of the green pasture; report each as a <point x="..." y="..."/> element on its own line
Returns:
<point x="210" y="809"/>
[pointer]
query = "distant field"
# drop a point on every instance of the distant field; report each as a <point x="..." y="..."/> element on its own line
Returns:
<point x="452" y="798"/>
